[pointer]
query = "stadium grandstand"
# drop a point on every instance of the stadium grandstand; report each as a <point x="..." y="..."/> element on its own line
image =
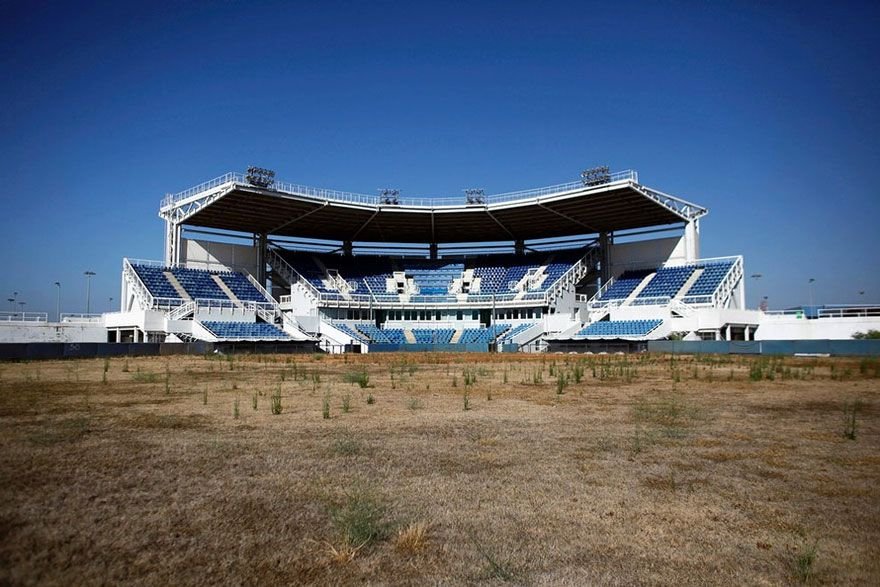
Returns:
<point x="249" y="258"/>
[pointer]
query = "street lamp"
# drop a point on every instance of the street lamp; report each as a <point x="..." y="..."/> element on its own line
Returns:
<point x="58" y="301"/>
<point x="21" y="310"/>
<point x="812" y="279"/>
<point x="11" y="303"/>
<point x="89" y="275"/>
<point x="110" y="305"/>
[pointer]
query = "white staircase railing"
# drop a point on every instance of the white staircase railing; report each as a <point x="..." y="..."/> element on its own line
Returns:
<point x="289" y="274"/>
<point x="138" y="287"/>
<point x="181" y="311"/>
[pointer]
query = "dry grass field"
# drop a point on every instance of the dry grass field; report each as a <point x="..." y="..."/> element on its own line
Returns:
<point x="440" y="469"/>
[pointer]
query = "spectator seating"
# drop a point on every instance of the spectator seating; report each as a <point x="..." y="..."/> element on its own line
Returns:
<point x="619" y="328"/>
<point x="245" y="331"/>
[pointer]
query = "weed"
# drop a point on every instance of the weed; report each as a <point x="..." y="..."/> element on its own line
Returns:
<point x="205" y="397"/>
<point x="415" y="404"/>
<point x="276" y="401"/>
<point x="498" y="569"/>
<point x="413" y="537"/>
<point x="850" y="411"/>
<point x="561" y="382"/>
<point x="235" y="412"/>
<point x="254" y="402"/>
<point x="361" y="517"/>
<point x="145" y="377"/>
<point x="804" y="562"/>
<point x="346" y="403"/>
<point x="347" y="446"/>
<point x="361" y="377"/>
<point x="325" y="406"/>
<point x="370" y="399"/>
<point x="467" y="401"/>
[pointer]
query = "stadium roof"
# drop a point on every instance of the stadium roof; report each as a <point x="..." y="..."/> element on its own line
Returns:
<point x="230" y="202"/>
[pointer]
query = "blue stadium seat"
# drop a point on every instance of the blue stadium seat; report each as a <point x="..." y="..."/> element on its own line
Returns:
<point x="619" y="328"/>
<point x="245" y="330"/>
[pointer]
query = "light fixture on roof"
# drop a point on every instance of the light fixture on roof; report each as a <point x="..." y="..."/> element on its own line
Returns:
<point x="260" y="177"/>
<point x="596" y="175"/>
<point x="475" y="196"/>
<point x="389" y="196"/>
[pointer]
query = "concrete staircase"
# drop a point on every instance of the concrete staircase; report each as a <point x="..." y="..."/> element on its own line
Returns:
<point x="177" y="287"/>
<point x="456" y="336"/>
<point x="225" y="288"/>
<point x="409" y="336"/>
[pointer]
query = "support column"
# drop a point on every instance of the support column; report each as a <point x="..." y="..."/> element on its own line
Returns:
<point x="519" y="247"/>
<point x="605" y="241"/>
<point x="692" y="241"/>
<point x="173" y="233"/>
<point x="262" y="249"/>
<point x="347" y="248"/>
<point x="432" y="249"/>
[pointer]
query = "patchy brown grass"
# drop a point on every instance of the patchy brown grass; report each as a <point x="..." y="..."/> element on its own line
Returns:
<point x="633" y="475"/>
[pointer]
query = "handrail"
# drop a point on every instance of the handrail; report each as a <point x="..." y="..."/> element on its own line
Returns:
<point x="82" y="318"/>
<point x="24" y="316"/>
<point x="169" y="200"/>
<point x="274" y="254"/>
<point x="140" y="287"/>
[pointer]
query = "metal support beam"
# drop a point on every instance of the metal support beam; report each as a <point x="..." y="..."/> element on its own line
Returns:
<point x="347" y="248"/>
<point x="432" y="248"/>
<point x="605" y="241"/>
<point x="519" y="247"/>
<point x="262" y="250"/>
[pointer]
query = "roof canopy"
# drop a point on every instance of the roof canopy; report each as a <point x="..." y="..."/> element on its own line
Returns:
<point x="294" y="211"/>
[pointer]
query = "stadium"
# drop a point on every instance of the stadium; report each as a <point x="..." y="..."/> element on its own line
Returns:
<point x="602" y="263"/>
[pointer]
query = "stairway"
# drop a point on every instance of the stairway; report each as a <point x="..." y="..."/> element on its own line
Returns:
<point x="456" y="336"/>
<point x="409" y="336"/>
<point x="177" y="287"/>
<point x="225" y="288"/>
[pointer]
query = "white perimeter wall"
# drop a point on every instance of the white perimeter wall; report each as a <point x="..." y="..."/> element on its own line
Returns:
<point x="788" y="327"/>
<point x="51" y="332"/>
<point x="201" y="254"/>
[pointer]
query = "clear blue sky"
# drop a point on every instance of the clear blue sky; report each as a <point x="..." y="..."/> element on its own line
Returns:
<point x="766" y="113"/>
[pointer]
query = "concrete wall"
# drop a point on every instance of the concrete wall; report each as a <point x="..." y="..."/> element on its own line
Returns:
<point x="202" y="254"/>
<point x="790" y="327"/>
<point x="646" y="253"/>
<point x="51" y="332"/>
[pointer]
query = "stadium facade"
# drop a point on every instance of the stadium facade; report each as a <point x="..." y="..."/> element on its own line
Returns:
<point x="249" y="258"/>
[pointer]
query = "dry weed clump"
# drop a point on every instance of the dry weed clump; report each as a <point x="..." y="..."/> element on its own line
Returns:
<point x="413" y="537"/>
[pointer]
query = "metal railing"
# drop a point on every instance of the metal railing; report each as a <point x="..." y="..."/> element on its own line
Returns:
<point x="82" y="318"/>
<point x="171" y="200"/>
<point x="24" y="317"/>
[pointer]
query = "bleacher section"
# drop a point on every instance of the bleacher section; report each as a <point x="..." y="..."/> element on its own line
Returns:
<point x="508" y="336"/>
<point x="625" y="284"/>
<point x="245" y="331"/>
<point x="243" y="289"/>
<point x="433" y="336"/>
<point x="496" y="273"/>
<point x="156" y="282"/>
<point x="710" y="279"/>
<point x="352" y="332"/>
<point x="483" y="335"/>
<point x="666" y="282"/>
<point x="619" y="328"/>
<point x="199" y="284"/>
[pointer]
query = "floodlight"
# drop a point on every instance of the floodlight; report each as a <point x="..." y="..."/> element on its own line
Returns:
<point x="475" y="196"/>
<point x="596" y="176"/>
<point x="260" y="177"/>
<point x="389" y="196"/>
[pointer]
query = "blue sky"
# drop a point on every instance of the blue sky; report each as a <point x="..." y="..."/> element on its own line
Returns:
<point x="766" y="113"/>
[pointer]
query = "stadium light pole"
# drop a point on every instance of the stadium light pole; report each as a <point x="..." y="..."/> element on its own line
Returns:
<point x="89" y="275"/>
<point x="756" y="277"/>
<point x="810" y="283"/>
<point x="58" y="301"/>
<point x="21" y="306"/>
<point x="11" y="304"/>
